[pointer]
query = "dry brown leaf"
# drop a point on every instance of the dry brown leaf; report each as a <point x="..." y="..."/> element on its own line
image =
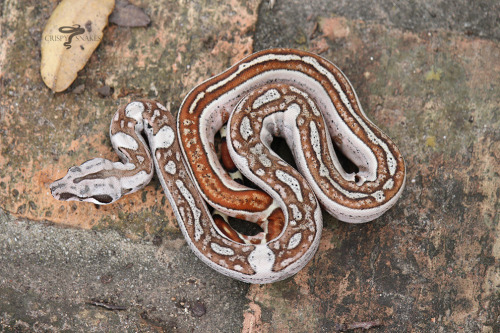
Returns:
<point x="73" y="32"/>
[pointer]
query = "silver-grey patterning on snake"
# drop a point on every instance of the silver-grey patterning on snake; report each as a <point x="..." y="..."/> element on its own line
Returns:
<point x="280" y="92"/>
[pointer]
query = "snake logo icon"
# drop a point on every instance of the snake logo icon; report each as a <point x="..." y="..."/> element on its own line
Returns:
<point x="75" y="30"/>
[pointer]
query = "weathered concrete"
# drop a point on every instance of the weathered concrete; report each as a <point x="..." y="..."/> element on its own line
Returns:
<point x="49" y="275"/>
<point x="427" y="73"/>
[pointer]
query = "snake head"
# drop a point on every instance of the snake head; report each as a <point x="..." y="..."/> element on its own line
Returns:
<point x="99" y="181"/>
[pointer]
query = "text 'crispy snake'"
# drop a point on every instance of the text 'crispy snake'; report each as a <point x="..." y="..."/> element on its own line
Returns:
<point x="281" y="92"/>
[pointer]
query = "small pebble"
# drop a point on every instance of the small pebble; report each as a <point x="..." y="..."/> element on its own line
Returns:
<point x="126" y="14"/>
<point x="79" y="89"/>
<point x="105" y="91"/>
<point x="198" y="309"/>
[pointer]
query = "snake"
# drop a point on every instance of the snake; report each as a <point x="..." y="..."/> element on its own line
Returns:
<point x="296" y="95"/>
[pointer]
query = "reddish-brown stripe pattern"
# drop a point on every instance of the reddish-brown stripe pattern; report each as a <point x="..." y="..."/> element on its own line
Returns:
<point x="209" y="181"/>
